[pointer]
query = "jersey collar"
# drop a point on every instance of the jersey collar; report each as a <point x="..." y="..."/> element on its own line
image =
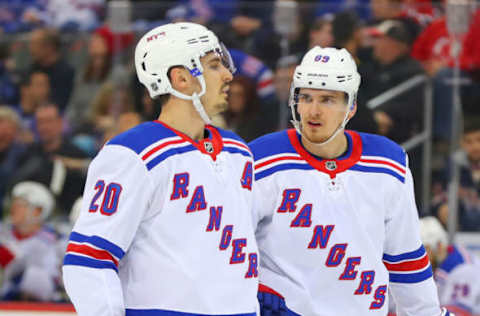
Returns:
<point x="330" y="166"/>
<point x="212" y="145"/>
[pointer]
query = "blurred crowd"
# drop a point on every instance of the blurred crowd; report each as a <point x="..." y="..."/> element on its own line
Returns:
<point x="67" y="85"/>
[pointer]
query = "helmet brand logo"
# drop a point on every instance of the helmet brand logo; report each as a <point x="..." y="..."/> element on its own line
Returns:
<point x="155" y="36"/>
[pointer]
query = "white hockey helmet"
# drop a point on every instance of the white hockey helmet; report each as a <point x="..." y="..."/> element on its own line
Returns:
<point x="432" y="232"/>
<point x="328" y="69"/>
<point x="177" y="44"/>
<point x="35" y="194"/>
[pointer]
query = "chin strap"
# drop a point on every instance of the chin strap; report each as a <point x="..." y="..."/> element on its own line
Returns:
<point x="197" y="104"/>
<point x="445" y="312"/>
<point x="195" y="98"/>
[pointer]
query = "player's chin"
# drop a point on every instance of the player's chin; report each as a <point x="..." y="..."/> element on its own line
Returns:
<point x="221" y="107"/>
<point x="314" y="135"/>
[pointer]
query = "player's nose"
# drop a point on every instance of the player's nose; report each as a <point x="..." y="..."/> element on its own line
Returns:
<point x="316" y="110"/>
<point x="227" y="76"/>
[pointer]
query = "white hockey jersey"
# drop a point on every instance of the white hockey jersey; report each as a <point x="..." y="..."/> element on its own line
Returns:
<point x="165" y="227"/>
<point x="31" y="265"/>
<point x="336" y="235"/>
<point x="461" y="292"/>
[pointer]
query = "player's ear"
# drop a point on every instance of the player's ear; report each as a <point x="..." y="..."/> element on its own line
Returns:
<point x="37" y="211"/>
<point x="353" y="110"/>
<point x="180" y="79"/>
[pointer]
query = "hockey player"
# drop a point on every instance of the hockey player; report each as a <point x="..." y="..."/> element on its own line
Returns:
<point x="27" y="247"/>
<point x="165" y="226"/>
<point x="337" y="225"/>
<point x="443" y="257"/>
<point x="462" y="290"/>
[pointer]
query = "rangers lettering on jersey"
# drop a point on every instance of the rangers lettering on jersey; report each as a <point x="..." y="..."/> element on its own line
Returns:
<point x="188" y="208"/>
<point x="348" y="227"/>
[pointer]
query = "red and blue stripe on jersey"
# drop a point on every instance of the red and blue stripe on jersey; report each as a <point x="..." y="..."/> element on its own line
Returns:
<point x="381" y="155"/>
<point x="456" y="255"/>
<point x="409" y="267"/>
<point x="365" y="153"/>
<point x="161" y="312"/>
<point x="92" y="251"/>
<point x="155" y="142"/>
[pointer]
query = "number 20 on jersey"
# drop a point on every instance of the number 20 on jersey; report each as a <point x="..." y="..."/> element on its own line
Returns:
<point x="109" y="196"/>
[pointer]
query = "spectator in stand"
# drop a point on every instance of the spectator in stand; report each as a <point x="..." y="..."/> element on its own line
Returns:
<point x="434" y="44"/>
<point x="72" y="15"/>
<point x="27" y="247"/>
<point x="243" y="114"/>
<point x="348" y="32"/>
<point x="54" y="161"/>
<point x="125" y="122"/>
<point x="113" y="99"/>
<point x="40" y="88"/>
<point x="20" y="15"/>
<point x="433" y="49"/>
<point x="400" y="118"/>
<point x="34" y="92"/>
<point x="469" y="191"/>
<point x="241" y="24"/>
<point x="255" y="69"/>
<point x="262" y="77"/>
<point x="423" y="11"/>
<point x="83" y="15"/>
<point x="10" y="149"/>
<point x="360" y="7"/>
<point x="8" y="90"/>
<point x="45" y="49"/>
<point x="386" y="9"/>
<point x="98" y="70"/>
<point x="418" y="12"/>
<point x="282" y="81"/>
<point x="321" y="33"/>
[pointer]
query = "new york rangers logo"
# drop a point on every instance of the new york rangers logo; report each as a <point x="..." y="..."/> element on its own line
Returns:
<point x="208" y="147"/>
<point x="331" y="165"/>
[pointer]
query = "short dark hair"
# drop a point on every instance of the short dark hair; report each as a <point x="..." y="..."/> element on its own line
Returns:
<point x="51" y="37"/>
<point x="344" y="25"/>
<point x="471" y="125"/>
<point x="161" y="100"/>
<point x="320" y="23"/>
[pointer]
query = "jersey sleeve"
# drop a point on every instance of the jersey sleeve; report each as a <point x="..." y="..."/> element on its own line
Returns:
<point x="116" y="198"/>
<point x="410" y="272"/>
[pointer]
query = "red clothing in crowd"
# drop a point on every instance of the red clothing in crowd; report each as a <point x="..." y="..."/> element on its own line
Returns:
<point x="434" y="44"/>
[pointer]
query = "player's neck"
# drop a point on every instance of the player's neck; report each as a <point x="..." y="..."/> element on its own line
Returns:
<point x="334" y="149"/>
<point x="182" y="116"/>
